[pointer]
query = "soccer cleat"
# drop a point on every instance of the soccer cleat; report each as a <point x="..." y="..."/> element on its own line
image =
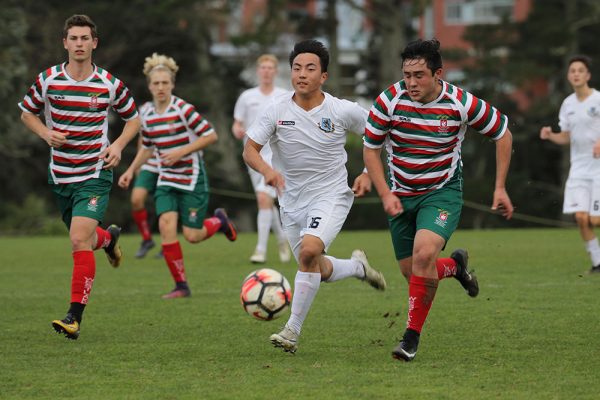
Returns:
<point x="145" y="247"/>
<point x="113" y="250"/>
<point x="227" y="226"/>
<point x="287" y="339"/>
<point x="258" y="258"/>
<point x="372" y="276"/>
<point x="284" y="252"/>
<point x="594" y="270"/>
<point x="467" y="278"/>
<point x="67" y="326"/>
<point x="177" y="294"/>
<point x="407" y="348"/>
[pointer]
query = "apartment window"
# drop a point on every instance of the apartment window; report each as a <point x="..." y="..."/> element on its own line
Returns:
<point x="468" y="12"/>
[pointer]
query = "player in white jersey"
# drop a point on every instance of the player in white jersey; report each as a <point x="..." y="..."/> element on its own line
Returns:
<point x="249" y="105"/>
<point x="579" y="121"/>
<point x="307" y="131"/>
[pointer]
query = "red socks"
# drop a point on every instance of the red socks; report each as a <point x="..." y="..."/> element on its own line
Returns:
<point x="174" y="258"/>
<point x="84" y="271"/>
<point x="421" y="292"/>
<point x="212" y="225"/>
<point x="141" y="220"/>
<point x="103" y="238"/>
<point x="446" y="267"/>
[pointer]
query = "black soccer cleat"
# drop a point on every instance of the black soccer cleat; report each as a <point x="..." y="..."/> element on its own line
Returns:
<point x="113" y="250"/>
<point x="467" y="278"/>
<point x="594" y="270"/>
<point x="407" y="348"/>
<point x="145" y="247"/>
<point x="67" y="326"/>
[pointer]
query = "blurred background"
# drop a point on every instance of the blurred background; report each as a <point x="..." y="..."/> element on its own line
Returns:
<point x="511" y="53"/>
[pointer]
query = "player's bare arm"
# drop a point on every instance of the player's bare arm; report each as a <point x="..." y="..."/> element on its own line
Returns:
<point x="501" y="202"/>
<point x="112" y="154"/>
<point x="253" y="158"/>
<point x="169" y="158"/>
<point x="562" y="137"/>
<point x="391" y="203"/>
<point x="33" y="123"/>
<point x="362" y="185"/>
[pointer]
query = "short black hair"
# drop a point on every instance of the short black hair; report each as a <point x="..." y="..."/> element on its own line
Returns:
<point x="428" y="50"/>
<point x="311" y="46"/>
<point x="80" y="20"/>
<point x="587" y="61"/>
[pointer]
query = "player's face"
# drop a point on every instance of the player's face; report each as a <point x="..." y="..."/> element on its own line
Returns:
<point x="79" y="43"/>
<point x="161" y="86"/>
<point x="423" y="85"/>
<point x="578" y="74"/>
<point x="307" y="77"/>
<point x="266" y="72"/>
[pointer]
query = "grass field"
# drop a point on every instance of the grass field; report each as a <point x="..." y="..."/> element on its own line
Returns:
<point x="532" y="333"/>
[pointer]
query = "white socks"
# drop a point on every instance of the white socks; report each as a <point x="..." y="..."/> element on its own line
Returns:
<point x="306" y="286"/>
<point x="263" y="222"/>
<point x="343" y="269"/>
<point x="593" y="248"/>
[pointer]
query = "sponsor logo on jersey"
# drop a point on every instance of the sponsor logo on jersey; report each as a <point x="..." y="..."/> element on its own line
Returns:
<point x="403" y="119"/>
<point x="280" y="122"/>
<point x="326" y="125"/>
<point x="442" y="218"/>
<point x="58" y="97"/>
<point x="93" y="204"/>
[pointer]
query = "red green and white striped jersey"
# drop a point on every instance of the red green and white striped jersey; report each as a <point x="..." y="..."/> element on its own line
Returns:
<point x="153" y="162"/>
<point x="423" y="141"/>
<point x="79" y="109"/>
<point x="179" y="125"/>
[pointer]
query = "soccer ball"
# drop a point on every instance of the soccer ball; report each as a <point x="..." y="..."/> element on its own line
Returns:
<point x="266" y="294"/>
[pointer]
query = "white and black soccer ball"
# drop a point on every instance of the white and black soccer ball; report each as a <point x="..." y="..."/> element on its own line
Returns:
<point x="266" y="294"/>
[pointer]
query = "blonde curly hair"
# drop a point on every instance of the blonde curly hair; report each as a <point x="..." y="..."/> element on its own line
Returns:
<point x="160" y="62"/>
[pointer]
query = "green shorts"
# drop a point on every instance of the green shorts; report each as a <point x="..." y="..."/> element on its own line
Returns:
<point x="82" y="199"/>
<point x="190" y="205"/>
<point x="146" y="180"/>
<point x="437" y="211"/>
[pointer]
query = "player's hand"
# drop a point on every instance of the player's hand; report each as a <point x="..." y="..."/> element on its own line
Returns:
<point x="125" y="179"/>
<point x="545" y="132"/>
<point x="170" y="157"/>
<point x="596" y="149"/>
<point x="502" y="204"/>
<point x="362" y="185"/>
<point x="239" y="132"/>
<point x="392" y="204"/>
<point x="111" y="156"/>
<point x="275" y="179"/>
<point x="55" y="139"/>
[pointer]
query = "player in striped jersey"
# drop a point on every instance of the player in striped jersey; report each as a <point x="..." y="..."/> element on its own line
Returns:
<point x="75" y="97"/>
<point x="173" y="128"/>
<point x="422" y="121"/>
<point x="307" y="131"/>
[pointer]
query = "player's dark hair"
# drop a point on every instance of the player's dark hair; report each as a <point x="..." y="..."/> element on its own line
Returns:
<point x="428" y="50"/>
<point x="79" y="20"/>
<point x="311" y="46"/>
<point x="587" y="61"/>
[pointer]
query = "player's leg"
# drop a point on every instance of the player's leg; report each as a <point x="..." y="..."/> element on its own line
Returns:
<point x="282" y="242"/>
<point x="264" y="220"/>
<point x="579" y="200"/>
<point x="173" y="255"/>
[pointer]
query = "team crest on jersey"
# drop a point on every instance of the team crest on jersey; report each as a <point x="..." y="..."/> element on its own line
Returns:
<point x="193" y="215"/>
<point x="593" y="112"/>
<point x="443" y="128"/>
<point x="442" y="218"/>
<point x="326" y="125"/>
<point x="93" y="100"/>
<point x="93" y="204"/>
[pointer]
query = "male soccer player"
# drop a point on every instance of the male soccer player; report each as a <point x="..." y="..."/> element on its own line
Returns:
<point x="422" y="120"/>
<point x="249" y="105"/>
<point x="579" y="121"/>
<point x="307" y="131"/>
<point x="174" y="128"/>
<point x="75" y="97"/>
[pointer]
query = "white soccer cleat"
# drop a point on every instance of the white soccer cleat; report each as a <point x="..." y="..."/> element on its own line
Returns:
<point x="372" y="276"/>
<point x="258" y="258"/>
<point x="287" y="339"/>
<point x="284" y="252"/>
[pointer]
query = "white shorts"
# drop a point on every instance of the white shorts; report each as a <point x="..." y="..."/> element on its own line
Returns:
<point x="259" y="185"/>
<point x="323" y="218"/>
<point x="582" y="195"/>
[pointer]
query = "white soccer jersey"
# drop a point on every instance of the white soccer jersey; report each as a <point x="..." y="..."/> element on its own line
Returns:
<point x="582" y="120"/>
<point x="308" y="146"/>
<point x="250" y="105"/>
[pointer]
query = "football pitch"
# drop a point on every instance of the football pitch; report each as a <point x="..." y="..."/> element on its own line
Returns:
<point x="532" y="333"/>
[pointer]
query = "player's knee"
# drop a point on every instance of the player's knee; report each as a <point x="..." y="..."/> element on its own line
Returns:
<point x="595" y="221"/>
<point x="194" y="236"/>
<point x="308" y="256"/>
<point x="583" y="219"/>
<point x="422" y="257"/>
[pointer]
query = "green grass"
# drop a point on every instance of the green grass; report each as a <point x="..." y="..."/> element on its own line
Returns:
<point x="531" y="334"/>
